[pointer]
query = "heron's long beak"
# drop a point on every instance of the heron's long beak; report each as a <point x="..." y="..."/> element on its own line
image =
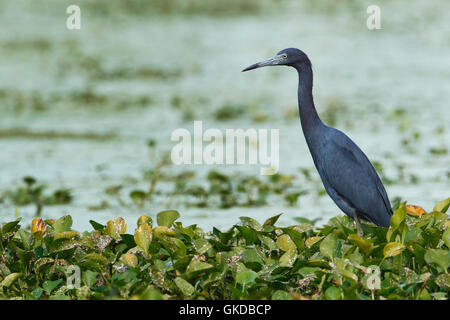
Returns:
<point x="269" y="62"/>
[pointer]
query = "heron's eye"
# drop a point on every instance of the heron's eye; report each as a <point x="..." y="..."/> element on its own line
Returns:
<point x="284" y="56"/>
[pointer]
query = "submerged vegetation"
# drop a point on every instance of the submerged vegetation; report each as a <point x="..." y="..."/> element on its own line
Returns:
<point x="166" y="260"/>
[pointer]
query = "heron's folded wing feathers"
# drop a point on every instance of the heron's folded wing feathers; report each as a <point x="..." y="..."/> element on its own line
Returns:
<point x="349" y="172"/>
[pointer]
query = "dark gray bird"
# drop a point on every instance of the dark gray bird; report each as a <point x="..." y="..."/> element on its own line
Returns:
<point x="347" y="174"/>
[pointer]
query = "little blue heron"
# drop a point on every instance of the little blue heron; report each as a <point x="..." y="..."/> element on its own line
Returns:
<point x="347" y="174"/>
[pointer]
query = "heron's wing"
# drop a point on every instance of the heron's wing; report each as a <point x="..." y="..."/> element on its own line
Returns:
<point x="351" y="175"/>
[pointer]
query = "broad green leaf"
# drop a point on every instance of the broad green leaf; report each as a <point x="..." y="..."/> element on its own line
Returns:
<point x="288" y="258"/>
<point x="398" y="217"/>
<point x="442" y="206"/>
<point x="251" y="223"/>
<point x="196" y="266"/>
<point x="246" y="277"/>
<point x="328" y="246"/>
<point x="63" y="224"/>
<point x="296" y="237"/>
<point x="185" y="287"/>
<point x="143" y="237"/>
<point x="129" y="259"/>
<point x="312" y="240"/>
<point x="89" y="277"/>
<point x="49" y="286"/>
<point x="250" y="235"/>
<point x="446" y="237"/>
<point x="392" y="249"/>
<point x="333" y="293"/>
<point x="362" y="244"/>
<point x="7" y="227"/>
<point x="97" y="226"/>
<point x="281" y="295"/>
<point x="115" y="227"/>
<point x="167" y="218"/>
<point x="443" y="281"/>
<point x="160" y="231"/>
<point x="66" y="235"/>
<point x="272" y="220"/>
<point x="267" y="242"/>
<point x="285" y="243"/>
<point x="201" y="245"/>
<point x="10" y="279"/>
<point x="441" y="257"/>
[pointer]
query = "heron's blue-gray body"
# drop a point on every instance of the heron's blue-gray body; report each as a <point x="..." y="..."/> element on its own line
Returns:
<point x="347" y="174"/>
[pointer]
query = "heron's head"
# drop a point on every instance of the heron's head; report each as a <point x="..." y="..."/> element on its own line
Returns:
<point x="286" y="57"/>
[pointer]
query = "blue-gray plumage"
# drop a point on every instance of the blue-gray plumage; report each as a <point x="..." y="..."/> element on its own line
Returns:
<point x="347" y="174"/>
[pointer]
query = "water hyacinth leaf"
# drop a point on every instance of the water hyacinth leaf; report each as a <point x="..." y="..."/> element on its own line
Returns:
<point x="185" y="287"/>
<point x="96" y="257"/>
<point x="37" y="293"/>
<point x="145" y="219"/>
<point x="295" y="236"/>
<point x="281" y="295"/>
<point x="398" y="217"/>
<point x="167" y="218"/>
<point x="115" y="227"/>
<point x="392" y="249"/>
<point x="129" y="259"/>
<point x="89" y="277"/>
<point x="97" y="226"/>
<point x="440" y="257"/>
<point x="128" y="239"/>
<point x="333" y="293"/>
<point x="246" y="277"/>
<point x="272" y="220"/>
<point x="362" y="244"/>
<point x="442" y="206"/>
<point x="328" y="246"/>
<point x="143" y="237"/>
<point x="443" y="281"/>
<point x="38" y="227"/>
<point x="267" y="242"/>
<point x="196" y="266"/>
<point x="318" y="262"/>
<point x="288" y="258"/>
<point x="446" y="237"/>
<point x="10" y="279"/>
<point x="201" y="245"/>
<point x="66" y="235"/>
<point x="62" y="224"/>
<point x="49" y="286"/>
<point x="312" y="240"/>
<point x="9" y="226"/>
<point x="250" y="235"/>
<point x="161" y="231"/>
<point x="342" y="267"/>
<point x="174" y="246"/>
<point x="285" y="243"/>
<point x="251" y="223"/>
<point x="251" y="258"/>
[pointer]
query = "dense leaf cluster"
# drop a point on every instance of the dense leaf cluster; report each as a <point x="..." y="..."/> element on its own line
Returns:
<point x="410" y="260"/>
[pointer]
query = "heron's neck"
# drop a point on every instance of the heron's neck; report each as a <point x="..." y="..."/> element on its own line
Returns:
<point x="308" y="114"/>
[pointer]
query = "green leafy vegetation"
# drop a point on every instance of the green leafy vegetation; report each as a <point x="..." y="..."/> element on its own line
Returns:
<point x="410" y="260"/>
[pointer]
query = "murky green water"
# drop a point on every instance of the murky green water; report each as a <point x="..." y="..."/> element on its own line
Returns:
<point x="139" y="77"/>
